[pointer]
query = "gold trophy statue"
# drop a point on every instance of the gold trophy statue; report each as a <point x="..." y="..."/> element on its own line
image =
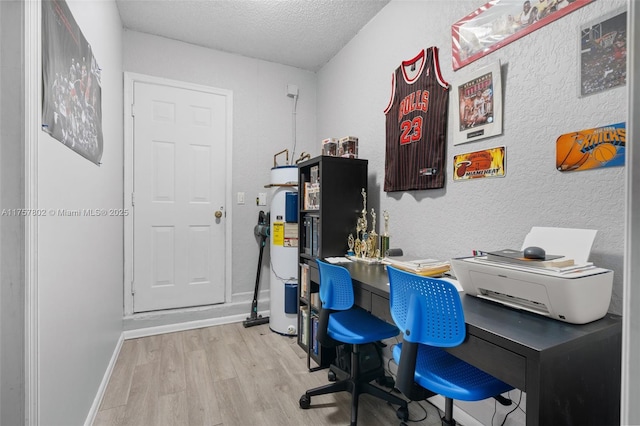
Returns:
<point x="373" y="237"/>
<point x="351" y="243"/>
<point x="363" y="226"/>
<point x="384" y="239"/>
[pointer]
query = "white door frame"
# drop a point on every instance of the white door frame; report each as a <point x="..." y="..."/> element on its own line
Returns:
<point x="32" y="122"/>
<point x="129" y="80"/>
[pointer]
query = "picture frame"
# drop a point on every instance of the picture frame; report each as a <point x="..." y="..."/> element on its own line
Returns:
<point x="500" y="22"/>
<point x="603" y="53"/>
<point x="478" y="103"/>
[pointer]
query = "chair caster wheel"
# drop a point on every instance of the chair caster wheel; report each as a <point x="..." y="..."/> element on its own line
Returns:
<point x="331" y="375"/>
<point x="403" y="414"/>
<point x="305" y="402"/>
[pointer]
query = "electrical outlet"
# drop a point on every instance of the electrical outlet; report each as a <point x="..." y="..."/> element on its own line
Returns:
<point x="240" y="197"/>
<point x="262" y="199"/>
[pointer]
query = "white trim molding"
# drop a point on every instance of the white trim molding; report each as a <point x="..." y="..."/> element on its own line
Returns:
<point x="630" y="374"/>
<point x="32" y="114"/>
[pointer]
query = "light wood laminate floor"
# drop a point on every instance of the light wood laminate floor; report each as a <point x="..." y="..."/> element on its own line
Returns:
<point x="229" y="375"/>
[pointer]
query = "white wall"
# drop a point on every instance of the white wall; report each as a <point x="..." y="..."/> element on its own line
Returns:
<point x="540" y="74"/>
<point x="262" y="126"/>
<point x="540" y="103"/>
<point x="11" y="227"/>
<point x="80" y="261"/>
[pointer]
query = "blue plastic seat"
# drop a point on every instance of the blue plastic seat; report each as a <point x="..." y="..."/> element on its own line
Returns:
<point x="340" y="322"/>
<point x="429" y="313"/>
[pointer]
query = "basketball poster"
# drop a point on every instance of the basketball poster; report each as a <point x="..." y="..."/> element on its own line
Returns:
<point x="592" y="148"/>
<point x="71" y="104"/>
<point x="480" y="164"/>
<point x="478" y="98"/>
<point x="603" y="54"/>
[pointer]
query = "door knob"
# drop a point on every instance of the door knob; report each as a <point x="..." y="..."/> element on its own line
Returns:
<point x="218" y="214"/>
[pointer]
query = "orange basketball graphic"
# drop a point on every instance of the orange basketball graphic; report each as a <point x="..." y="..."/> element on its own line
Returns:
<point x="604" y="152"/>
<point x="568" y="153"/>
<point x="480" y="160"/>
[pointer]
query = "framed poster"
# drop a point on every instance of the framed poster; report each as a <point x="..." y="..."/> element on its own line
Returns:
<point x="480" y="164"/>
<point x="603" y="54"/>
<point x="72" y="94"/>
<point x="500" y="22"/>
<point x="478" y="98"/>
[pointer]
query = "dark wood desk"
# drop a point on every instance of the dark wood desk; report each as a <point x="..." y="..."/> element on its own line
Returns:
<point x="570" y="373"/>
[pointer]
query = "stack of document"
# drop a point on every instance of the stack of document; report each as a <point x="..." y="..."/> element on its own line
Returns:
<point x="560" y="264"/>
<point x="555" y="263"/>
<point x="426" y="267"/>
<point x="574" y="244"/>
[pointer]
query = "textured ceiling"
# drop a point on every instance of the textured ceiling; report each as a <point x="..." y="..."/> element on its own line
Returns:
<point x="300" y="33"/>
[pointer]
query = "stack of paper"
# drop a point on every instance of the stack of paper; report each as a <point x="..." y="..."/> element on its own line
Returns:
<point x="574" y="244"/>
<point x="426" y="267"/>
<point x="517" y="257"/>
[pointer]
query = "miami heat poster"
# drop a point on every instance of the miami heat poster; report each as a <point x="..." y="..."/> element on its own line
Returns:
<point x="72" y="96"/>
<point x="480" y="164"/>
<point x="478" y="99"/>
<point x="592" y="148"/>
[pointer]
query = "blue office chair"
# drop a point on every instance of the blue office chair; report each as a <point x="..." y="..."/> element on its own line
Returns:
<point x="429" y="313"/>
<point x="341" y="323"/>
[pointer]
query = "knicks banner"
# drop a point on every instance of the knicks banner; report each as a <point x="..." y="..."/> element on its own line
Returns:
<point x="592" y="148"/>
<point x="480" y="164"/>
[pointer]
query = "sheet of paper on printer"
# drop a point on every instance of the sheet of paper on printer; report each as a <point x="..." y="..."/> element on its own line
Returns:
<point x="569" y="242"/>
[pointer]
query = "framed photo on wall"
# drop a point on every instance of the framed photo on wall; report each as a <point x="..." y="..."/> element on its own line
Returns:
<point x="500" y="22"/>
<point x="603" y="54"/>
<point x="478" y="100"/>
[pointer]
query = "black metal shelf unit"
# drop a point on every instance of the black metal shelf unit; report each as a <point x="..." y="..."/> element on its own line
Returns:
<point x="329" y="205"/>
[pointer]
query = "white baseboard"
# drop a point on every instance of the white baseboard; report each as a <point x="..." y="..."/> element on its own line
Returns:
<point x="190" y="325"/>
<point x="103" y="385"/>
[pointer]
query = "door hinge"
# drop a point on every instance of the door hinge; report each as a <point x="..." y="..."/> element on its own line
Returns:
<point x="133" y="110"/>
<point x="133" y="198"/>
<point x="133" y="288"/>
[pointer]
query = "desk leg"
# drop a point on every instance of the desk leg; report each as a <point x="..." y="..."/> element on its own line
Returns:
<point x="576" y="386"/>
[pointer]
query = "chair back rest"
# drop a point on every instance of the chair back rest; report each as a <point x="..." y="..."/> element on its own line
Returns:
<point x="427" y="310"/>
<point x="336" y="287"/>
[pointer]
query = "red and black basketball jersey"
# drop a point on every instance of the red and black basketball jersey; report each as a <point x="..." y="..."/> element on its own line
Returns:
<point x="416" y="120"/>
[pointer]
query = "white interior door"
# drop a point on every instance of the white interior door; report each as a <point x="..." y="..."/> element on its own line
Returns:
<point x="179" y="171"/>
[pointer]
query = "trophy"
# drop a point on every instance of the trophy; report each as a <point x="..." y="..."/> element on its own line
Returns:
<point x="384" y="239"/>
<point x="373" y="236"/>
<point x="350" y="242"/>
<point x="362" y="224"/>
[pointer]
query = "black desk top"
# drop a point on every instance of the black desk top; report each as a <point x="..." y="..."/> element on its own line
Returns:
<point x="514" y="327"/>
<point x="558" y="364"/>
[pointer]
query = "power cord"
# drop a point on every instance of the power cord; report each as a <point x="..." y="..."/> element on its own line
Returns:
<point x="393" y="376"/>
<point x="495" y="409"/>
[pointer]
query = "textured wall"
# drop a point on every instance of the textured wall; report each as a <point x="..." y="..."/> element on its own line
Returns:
<point x="540" y="74"/>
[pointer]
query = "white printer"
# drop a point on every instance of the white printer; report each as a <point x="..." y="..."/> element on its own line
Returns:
<point x="575" y="295"/>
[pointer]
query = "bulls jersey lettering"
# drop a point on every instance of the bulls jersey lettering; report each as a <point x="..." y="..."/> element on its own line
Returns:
<point x="416" y="125"/>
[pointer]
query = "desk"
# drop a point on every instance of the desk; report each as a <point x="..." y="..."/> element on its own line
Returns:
<point x="571" y="373"/>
